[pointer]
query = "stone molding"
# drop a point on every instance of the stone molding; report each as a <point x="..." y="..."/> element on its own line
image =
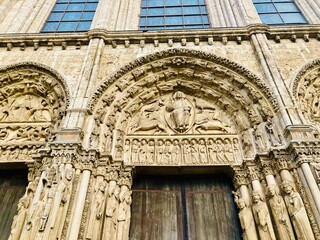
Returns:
<point x="176" y="52"/>
<point x="114" y="38"/>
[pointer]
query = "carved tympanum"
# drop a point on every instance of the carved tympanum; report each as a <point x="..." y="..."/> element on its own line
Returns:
<point x="32" y="101"/>
<point x="179" y="113"/>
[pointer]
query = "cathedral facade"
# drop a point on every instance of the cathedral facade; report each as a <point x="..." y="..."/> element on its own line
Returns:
<point x="187" y="119"/>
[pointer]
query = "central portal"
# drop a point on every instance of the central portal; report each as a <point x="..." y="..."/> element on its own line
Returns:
<point x="187" y="207"/>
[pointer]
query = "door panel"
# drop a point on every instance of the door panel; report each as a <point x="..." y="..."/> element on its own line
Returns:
<point x="12" y="187"/>
<point x="183" y="208"/>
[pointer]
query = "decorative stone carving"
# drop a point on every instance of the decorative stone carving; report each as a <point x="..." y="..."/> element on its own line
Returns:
<point x="198" y="150"/>
<point x="247" y="145"/>
<point x="246" y="220"/>
<point x="33" y="99"/>
<point x="97" y="211"/>
<point x="297" y="212"/>
<point x="150" y="119"/>
<point x="280" y="214"/>
<point x="124" y="213"/>
<point x="315" y="166"/>
<point x="110" y="225"/>
<point x="23" y="207"/>
<point x="262" y="217"/>
<point x="181" y="112"/>
<point x="274" y="136"/>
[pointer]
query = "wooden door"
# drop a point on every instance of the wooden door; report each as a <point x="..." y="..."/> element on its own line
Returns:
<point x="12" y="187"/>
<point x="191" y="207"/>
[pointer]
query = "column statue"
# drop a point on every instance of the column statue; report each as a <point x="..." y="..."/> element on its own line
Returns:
<point x="262" y="217"/>
<point x="297" y="212"/>
<point x="280" y="214"/>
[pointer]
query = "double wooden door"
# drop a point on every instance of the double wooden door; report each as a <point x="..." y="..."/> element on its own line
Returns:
<point x="189" y="207"/>
<point x="12" y="187"/>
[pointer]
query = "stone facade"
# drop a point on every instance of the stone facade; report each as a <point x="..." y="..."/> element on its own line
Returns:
<point x="83" y="110"/>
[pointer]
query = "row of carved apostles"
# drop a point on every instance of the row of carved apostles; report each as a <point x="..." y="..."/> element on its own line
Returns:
<point x="183" y="151"/>
<point x="274" y="206"/>
<point x="45" y="210"/>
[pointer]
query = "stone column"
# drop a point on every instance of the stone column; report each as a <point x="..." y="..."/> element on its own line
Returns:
<point x="85" y="162"/>
<point x="240" y="182"/>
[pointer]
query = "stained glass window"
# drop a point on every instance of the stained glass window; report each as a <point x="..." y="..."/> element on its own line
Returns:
<point x="278" y="12"/>
<point x="173" y="14"/>
<point x="71" y="16"/>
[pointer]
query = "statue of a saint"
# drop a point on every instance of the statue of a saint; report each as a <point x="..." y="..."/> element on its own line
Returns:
<point x="280" y="214"/>
<point x="246" y="220"/>
<point x="297" y="212"/>
<point x="262" y="217"/>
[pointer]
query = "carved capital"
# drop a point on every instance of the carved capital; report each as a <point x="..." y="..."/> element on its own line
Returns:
<point x="125" y="178"/>
<point x="240" y="177"/>
<point x="113" y="173"/>
<point x="254" y="173"/>
<point x="266" y="167"/>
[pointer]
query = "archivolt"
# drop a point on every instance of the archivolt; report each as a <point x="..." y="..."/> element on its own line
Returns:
<point x="33" y="99"/>
<point x="206" y="57"/>
<point x="306" y="90"/>
<point x="207" y="79"/>
<point x="43" y="70"/>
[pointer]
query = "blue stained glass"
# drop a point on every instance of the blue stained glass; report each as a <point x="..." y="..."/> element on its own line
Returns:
<point x="142" y="21"/>
<point x="193" y="20"/>
<point x="190" y="2"/>
<point x="155" y="11"/>
<point x="155" y="20"/>
<point x="293" y="18"/>
<point x="278" y="12"/>
<point x="75" y="16"/>
<point x="155" y="3"/>
<point x="143" y="12"/>
<point x="173" y="2"/>
<point x="76" y="7"/>
<point x="55" y="16"/>
<point x="174" y="11"/>
<point x="203" y="10"/>
<point x="50" y="26"/>
<point x="271" y="19"/>
<point x="205" y="20"/>
<point x="71" y="15"/>
<point x="87" y="16"/>
<point x="191" y="10"/>
<point x="67" y="26"/>
<point x="175" y="14"/>
<point x="60" y="7"/>
<point x="84" y="26"/>
<point x="91" y="6"/>
<point x="174" y="20"/>
<point x="286" y="7"/>
<point x="261" y="1"/>
<point x="144" y="3"/>
<point x="265" y="8"/>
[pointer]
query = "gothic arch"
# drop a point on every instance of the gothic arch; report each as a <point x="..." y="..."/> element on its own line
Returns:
<point x="223" y="98"/>
<point x="306" y="91"/>
<point x="33" y="99"/>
